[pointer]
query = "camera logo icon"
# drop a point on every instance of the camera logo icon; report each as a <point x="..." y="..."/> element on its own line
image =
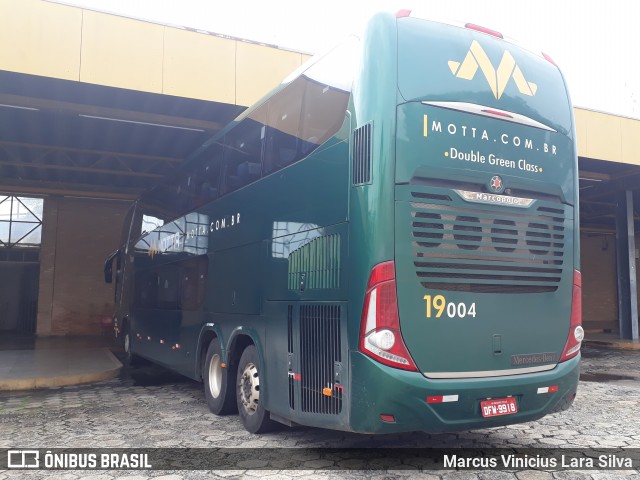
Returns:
<point x="23" y="459"/>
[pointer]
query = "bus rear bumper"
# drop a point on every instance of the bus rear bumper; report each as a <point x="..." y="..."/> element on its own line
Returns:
<point x="378" y="390"/>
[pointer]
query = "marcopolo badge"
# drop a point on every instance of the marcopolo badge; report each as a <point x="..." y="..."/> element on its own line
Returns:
<point x="496" y="185"/>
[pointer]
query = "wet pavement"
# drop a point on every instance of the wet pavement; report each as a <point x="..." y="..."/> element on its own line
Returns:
<point x="150" y="407"/>
<point x="605" y="365"/>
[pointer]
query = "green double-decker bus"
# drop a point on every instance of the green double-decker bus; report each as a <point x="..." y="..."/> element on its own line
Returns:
<point x="386" y="242"/>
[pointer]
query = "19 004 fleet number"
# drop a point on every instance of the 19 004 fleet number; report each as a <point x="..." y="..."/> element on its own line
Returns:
<point x="437" y="306"/>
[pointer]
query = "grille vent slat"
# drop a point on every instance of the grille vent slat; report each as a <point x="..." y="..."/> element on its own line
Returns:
<point x="362" y="154"/>
<point x="290" y="345"/>
<point x="319" y="261"/>
<point x="319" y="352"/>
<point x="478" y="242"/>
<point x="462" y="247"/>
<point x="484" y="254"/>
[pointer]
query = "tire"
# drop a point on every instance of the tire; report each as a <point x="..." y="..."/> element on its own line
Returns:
<point x="130" y="359"/>
<point x="251" y="409"/>
<point x="218" y="390"/>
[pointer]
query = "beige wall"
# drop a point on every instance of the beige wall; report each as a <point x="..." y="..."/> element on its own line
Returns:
<point x="71" y="43"/>
<point x="78" y="234"/>
<point x="599" y="282"/>
<point x="607" y="137"/>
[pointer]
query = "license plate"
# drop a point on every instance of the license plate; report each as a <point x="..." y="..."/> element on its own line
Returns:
<point x="498" y="406"/>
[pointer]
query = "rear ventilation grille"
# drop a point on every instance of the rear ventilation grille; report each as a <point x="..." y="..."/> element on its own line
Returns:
<point x="292" y="384"/>
<point x="320" y="357"/>
<point x="316" y="265"/>
<point x="463" y="247"/>
<point x="362" y="154"/>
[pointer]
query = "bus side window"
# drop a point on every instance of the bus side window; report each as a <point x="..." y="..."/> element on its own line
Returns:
<point x="243" y="151"/>
<point x="194" y="278"/>
<point x="185" y="194"/>
<point x="328" y="86"/>
<point x="283" y="124"/>
<point x="146" y="289"/>
<point x="207" y="179"/>
<point x="168" y="292"/>
<point x="323" y="114"/>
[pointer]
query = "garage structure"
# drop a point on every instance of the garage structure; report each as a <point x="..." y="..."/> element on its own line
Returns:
<point x="609" y="159"/>
<point x="95" y="108"/>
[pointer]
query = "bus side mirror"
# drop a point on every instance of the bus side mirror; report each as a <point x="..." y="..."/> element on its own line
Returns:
<point x="108" y="266"/>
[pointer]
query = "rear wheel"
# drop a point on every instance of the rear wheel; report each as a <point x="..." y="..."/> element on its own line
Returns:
<point x="251" y="409"/>
<point x="218" y="390"/>
<point x="130" y="359"/>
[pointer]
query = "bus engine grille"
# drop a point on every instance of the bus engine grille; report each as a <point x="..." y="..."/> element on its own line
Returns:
<point x="484" y="249"/>
<point x="319" y="354"/>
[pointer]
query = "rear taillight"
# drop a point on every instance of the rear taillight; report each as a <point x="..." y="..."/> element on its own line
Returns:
<point x="380" y="336"/>
<point x="576" y="333"/>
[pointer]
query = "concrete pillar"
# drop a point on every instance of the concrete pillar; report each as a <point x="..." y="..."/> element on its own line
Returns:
<point x="48" y="249"/>
<point x="626" y="263"/>
<point x="77" y="236"/>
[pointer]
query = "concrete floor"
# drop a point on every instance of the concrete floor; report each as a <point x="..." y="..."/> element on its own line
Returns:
<point x="28" y="362"/>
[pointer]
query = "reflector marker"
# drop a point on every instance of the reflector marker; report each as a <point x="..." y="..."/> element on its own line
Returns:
<point x="486" y="30"/>
<point x="485" y="111"/>
<point x="499" y="113"/>
<point x="442" y="398"/>
<point x="387" y="418"/>
<point x="552" y="389"/>
<point x="296" y="376"/>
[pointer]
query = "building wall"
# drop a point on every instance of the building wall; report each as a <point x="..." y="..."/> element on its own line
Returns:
<point x="18" y="293"/>
<point x="72" y="43"/>
<point x="604" y="136"/>
<point x="78" y="234"/>
<point x="599" y="282"/>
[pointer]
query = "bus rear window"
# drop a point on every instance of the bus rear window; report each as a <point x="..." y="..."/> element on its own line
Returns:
<point x="447" y="63"/>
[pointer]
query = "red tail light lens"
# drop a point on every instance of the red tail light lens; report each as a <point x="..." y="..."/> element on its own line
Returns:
<point x="497" y="112"/>
<point x="486" y="30"/>
<point x="576" y="333"/>
<point x="380" y="336"/>
<point x="549" y="59"/>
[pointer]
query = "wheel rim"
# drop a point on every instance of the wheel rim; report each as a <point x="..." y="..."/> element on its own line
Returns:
<point x="249" y="389"/>
<point x="215" y="376"/>
<point x="127" y="342"/>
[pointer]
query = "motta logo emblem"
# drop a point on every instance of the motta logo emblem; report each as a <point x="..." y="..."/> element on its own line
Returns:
<point x="496" y="78"/>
